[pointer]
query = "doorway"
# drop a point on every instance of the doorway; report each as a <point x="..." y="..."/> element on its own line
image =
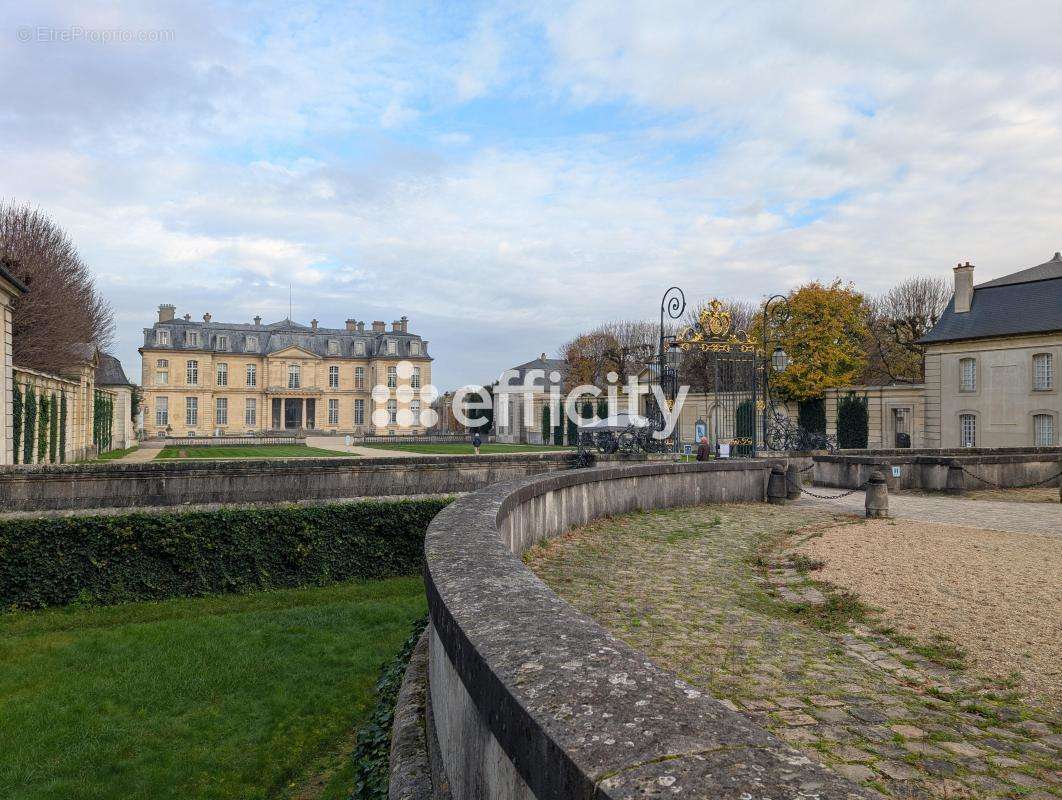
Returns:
<point x="293" y="412"/>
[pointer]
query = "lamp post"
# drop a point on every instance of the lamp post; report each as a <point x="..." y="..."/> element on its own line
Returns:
<point x="778" y="360"/>
<point x="674" y="304"/>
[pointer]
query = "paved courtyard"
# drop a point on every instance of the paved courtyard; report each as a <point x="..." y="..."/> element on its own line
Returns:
<point x="714" y="594"/>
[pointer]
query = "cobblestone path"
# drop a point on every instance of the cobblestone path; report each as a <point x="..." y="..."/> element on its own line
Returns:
<point x="988" y="514"/>
<point x="706" y="592"/>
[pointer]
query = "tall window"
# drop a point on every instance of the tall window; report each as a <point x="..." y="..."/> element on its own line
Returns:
<point x="162" y="336"/>
<point x="252" y="344"/>
<point x="967" y="430"/>
<point x="193" y="338"/>
<point x="223" y="374"/>
<point x="392" y="347"/>
<point x="333" y="347"/>
<point x="221" y="411"/>
<point x="392" y="377"/>
<point x="1043" y="372"/>
<point x="359" y="377"/>
<point x="333" y="412"/>
<point x="223" y="343"/>
<point x="359" y="412"/>
<point x="414" y="409"/>
<point x="414" y="381"/>
<point x="252" y="375"/>
<point x="191" y="411"/>
<point x="333" y="377"/>
<point x="294" y="376"/>
<point x="1044" y="430"/>
<point x="392" y="412"/>
<point x="968" y="374"/>
<point x="250" y="413"/>
<point x="192" y="373"/>
<point x="162" y="411"/>
<point x="162" y="372"/>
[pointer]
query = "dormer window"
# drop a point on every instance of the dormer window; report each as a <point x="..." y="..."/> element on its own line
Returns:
<point x="359" y="348"/>
<point x="193" y="338"/>
<point x="414" y="348"/>
<point x="333" y="347"/>
<point x="392" y="347"/>
<point x="223" y="343"/>
<point x="162" y="337"/>
<point x="252" y="344"/>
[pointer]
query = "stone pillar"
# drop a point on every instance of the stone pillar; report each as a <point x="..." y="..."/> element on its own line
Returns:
<point x="793" y="486"/>
<point x="776" y="490"/>
<point x="877" y="502"/>
<point x="303" y="422"/>
<point x="956" y="481"/>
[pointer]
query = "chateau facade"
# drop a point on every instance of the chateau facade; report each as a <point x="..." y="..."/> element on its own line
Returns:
<point x="204" y="378"/>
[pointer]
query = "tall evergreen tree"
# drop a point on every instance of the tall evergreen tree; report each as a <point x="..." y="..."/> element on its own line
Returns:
<point x="29" y="430"/>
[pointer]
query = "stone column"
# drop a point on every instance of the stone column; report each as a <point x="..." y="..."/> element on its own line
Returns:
<point x="303" y="413"/>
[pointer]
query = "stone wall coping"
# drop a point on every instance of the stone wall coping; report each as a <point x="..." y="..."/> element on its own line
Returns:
<point x="985" y="457"/>
<point x="578" y="712"/>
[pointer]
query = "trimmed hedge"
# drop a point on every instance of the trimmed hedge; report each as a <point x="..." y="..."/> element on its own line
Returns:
<point x="853" y="422"/>
<point x="141" y="556"/>
<point x="811" y="415"/>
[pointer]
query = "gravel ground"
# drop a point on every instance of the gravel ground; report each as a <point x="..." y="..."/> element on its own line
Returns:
<point x="1036" y="494"/>
<point x="998" y="595"/>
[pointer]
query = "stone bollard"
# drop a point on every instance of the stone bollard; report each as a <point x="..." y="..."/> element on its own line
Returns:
<point x="877" y="502"/>
<point x="776" y="485"/>
<point x="956" y="481"/>
<point x="792" y="482"/>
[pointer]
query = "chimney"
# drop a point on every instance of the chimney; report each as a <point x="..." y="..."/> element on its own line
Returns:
<point x="187" y="317"/>
<point x="166" y="312"/>
<point x="378" y="326"/>
<point x="206" y="317"/>
<point x="361" y="327"/>
<point x="963" y="287"/>
<point x="396" y="326"/>
<point x="352" y="325"/>
<point x="257" y="320"/>
<point x="542" y="357"/>
<point x="313" y="325"/>
<point x="405" y="324"/>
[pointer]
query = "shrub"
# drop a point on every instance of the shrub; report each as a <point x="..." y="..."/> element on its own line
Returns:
<point x="151" y="556"/>
<point x="545" y="424"/>
<point x="29" y="425"/>
<point x="42" y="429"/>
<point x="16" y="421"/>
<point x="53" y="435"/>
<point x="62" y="427"/>
<point x="853" y="422"/>
<point x="811" y="415"/>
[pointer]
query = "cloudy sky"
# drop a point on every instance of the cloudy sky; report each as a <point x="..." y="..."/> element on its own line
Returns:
<point x="507" y="174"/>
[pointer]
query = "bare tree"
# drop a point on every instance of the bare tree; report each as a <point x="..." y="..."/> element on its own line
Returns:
<point x="62" y="308"/>
<point x="697" y="368"/>
<point x="898" y="319"/>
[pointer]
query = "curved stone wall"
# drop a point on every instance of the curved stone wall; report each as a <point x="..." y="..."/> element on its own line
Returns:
<point x="529" y="698"/>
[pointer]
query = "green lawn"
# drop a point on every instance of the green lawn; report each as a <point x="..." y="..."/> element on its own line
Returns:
<point x="465" y="449"/>
<point x="252" y="451"/>
<point x="110" y="455"/>
<point x="238" y="696"/>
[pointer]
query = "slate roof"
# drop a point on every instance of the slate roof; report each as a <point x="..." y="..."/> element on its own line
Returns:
<point x="273" y="337"/>
<point x="1028" y="301"/>
<point x="5" y="273"/>
<point x="547" y="365"/>
<point x="109" y="372"/>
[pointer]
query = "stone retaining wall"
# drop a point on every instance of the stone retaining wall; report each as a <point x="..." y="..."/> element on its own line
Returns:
<point x="116" y="485"/>
<point x="529" y="698"/>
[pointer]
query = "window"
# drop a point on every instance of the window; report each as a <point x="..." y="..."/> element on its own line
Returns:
<point x="359" y="412"/>
<point x="967" y="374"/>
<point x="414" y="348"/>
<point x="359" y="377"/>
<point x="392" y="377"/>
<point x="221" y="411"/>
<point x="162" y="372"/>
<point x="192" y="373"/>
<point x="1043" y="372"/>
<point x="414" y="409"/>
<point x="294" y="376"/>
<point x="392" y="412"/>
<point x="392" y="347"/>
<point x="1044" y="430"/>
<point x="333" y="412"/>
<point x="252" y="375"/>
<point x="191" y="411"/>
<point x="223" y="374"/>
<point x="359" y="348"/>
<point x="967" y="430"/>
<point x="162" y="411"/>
<point x="333" y="347"/>
<point x="414" y="381"/>
<point x="252" y="344"/>
<point x="250" y="413"/>
<point x="333" y="377"/>
<point x="162" y="336"/>
<point x="223" y="342"/>
<point x="193" y="338"/>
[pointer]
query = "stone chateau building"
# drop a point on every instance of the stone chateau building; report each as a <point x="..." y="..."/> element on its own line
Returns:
<point x="206" y="378"/>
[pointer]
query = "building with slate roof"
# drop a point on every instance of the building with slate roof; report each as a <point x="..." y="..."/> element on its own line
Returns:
<point x="203" y="378"/>
<point x="521" y="420"/>
<point x="991" y="362"/>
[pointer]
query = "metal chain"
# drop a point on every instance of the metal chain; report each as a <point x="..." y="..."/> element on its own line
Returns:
<point x="808" y="468"/>
<point x="834" y="496"/>
<point x="1000" y="486"/>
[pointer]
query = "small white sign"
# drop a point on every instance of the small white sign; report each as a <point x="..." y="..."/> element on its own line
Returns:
<point x="687" y="449"/>
<point x="896" y="472"/>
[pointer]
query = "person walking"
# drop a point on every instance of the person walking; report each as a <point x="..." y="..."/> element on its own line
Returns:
<point x="477" y="441"/>
<point x="704" y="452"/>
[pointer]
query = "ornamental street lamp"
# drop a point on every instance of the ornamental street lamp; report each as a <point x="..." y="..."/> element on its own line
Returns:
<point x="779" y="360"/>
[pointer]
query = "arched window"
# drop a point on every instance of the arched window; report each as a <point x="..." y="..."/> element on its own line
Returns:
<point x="967" y="430"/>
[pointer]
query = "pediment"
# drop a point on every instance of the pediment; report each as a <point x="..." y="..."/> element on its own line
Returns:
<point x="294" y="351"/>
